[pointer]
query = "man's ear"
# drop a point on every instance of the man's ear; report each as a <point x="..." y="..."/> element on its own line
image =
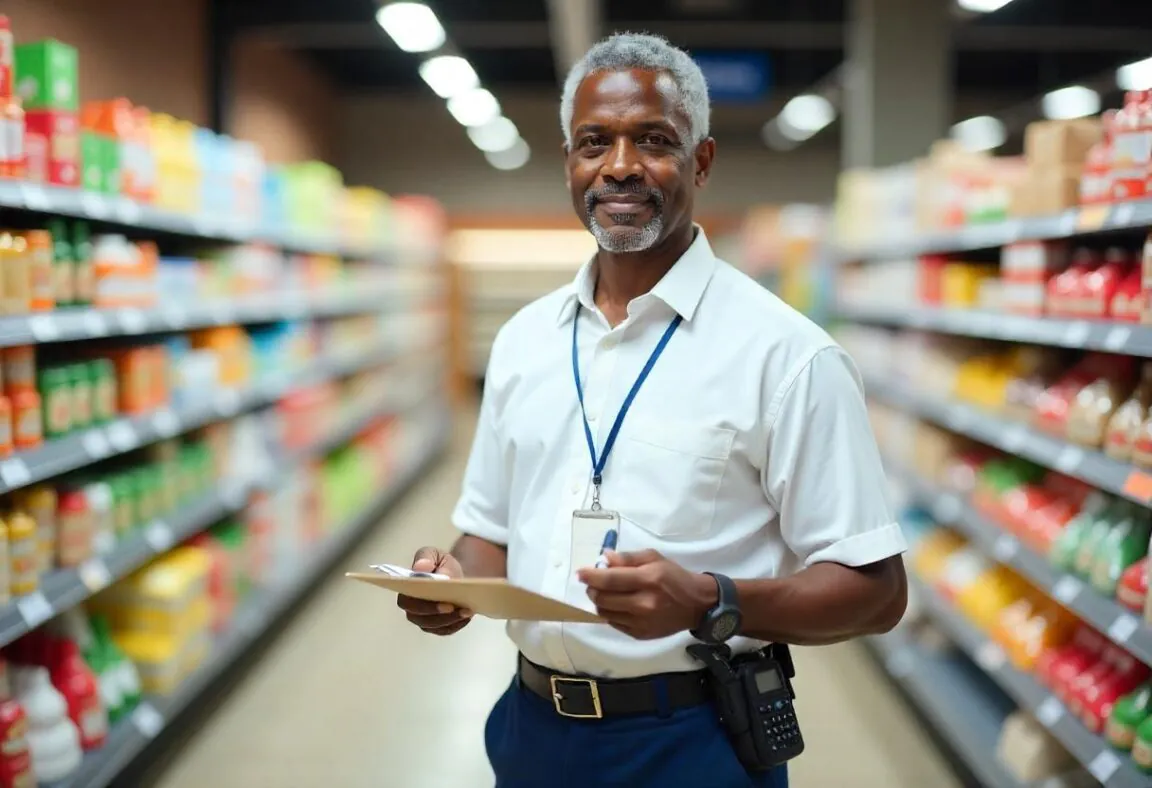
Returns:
<point x="703" y="157"/>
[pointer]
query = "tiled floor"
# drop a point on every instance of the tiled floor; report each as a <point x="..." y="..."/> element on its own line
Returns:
<point x="351" y="696"/>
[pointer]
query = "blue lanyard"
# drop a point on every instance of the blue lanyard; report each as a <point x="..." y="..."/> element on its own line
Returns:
<point x="598" y="464"/>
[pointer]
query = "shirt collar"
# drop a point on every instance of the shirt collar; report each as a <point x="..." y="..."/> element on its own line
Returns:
<point x="681" y="288"/>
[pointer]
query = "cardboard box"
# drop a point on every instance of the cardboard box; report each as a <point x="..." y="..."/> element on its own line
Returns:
<point x="52" y="138"/>
<point x="1055" y="143"/>
<point x="1046" y="192"/>
<point x="47" y="75"/>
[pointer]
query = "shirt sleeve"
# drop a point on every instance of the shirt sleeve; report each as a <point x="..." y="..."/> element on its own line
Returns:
<point x="823" y="473"/>
<point x="482" y="509"/>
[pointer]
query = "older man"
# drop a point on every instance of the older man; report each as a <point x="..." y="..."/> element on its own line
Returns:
<point x="664" y="404"/>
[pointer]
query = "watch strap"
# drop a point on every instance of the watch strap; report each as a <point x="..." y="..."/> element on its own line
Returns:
<point x="728" y="596"/>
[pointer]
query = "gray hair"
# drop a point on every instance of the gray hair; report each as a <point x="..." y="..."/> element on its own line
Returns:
<point x="625" y="51"/>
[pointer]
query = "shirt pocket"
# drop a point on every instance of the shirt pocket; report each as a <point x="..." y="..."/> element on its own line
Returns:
<point x="670" y="474"/>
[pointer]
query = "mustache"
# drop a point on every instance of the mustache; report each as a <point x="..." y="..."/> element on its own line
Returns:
<point x="593" y="196"/>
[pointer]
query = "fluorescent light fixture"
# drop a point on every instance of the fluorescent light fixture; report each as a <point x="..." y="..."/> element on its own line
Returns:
<point x="1135" y="76"/>
<point x="512" y="159"/>
<point x="982" y="6"/>
<point x="1075" y="101"/>
<point x="474" y="107"/>
<point x="983" y="132"/>
<point x="494" y="136"/>
<point x="413" y="26"/>
<point x="449" y="75"/>
<point x="808" y="113"/>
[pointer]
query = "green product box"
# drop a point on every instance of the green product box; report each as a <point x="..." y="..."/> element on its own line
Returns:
<point x="48" y="75"/>
<point x="111" y="158"/>
<point x="91" y="161"/>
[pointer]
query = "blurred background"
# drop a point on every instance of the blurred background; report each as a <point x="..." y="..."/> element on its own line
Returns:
<point x="253" y="255"/>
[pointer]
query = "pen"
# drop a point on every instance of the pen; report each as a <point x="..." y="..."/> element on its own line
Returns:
<point x="609" y="544"/>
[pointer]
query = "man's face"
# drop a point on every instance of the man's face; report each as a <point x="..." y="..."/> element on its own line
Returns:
<point x="632" y="168"/>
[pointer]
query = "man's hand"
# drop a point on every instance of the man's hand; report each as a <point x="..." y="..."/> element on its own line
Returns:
<point x="647" y="596"/>
<point x="437" y="618"/>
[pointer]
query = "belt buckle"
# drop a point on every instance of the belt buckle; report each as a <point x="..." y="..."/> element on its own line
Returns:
<point x="593" y="689"/>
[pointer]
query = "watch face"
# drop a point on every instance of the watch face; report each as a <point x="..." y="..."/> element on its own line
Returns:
<point x="725" y="625"/>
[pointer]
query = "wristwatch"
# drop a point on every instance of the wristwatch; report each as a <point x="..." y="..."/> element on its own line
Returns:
<point x="722" y="622"/>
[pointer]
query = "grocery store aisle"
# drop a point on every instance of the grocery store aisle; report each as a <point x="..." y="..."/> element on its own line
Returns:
<point x="350" y="695"/>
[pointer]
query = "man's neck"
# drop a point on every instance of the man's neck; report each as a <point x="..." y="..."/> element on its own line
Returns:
<point x="622" y="277"/>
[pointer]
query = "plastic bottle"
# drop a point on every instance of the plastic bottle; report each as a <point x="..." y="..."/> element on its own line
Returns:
<point x="63" y="264"/>
<point x="1097" y="534"/>
<point x="7" y="58"/>
<point x="1125" y="544"/>
<point x="85" y="272"/>
<point x="40" y="503"/>
<point x="53" y="739"/>
<point x="103" y="518"/>
<point x="23" y="554"/>
<point x="19" y="368"/>
<point x="56" y="393"/>
<point x="42" y="296"/>
<point x="1127" y="715"/>
<point x="17" y="275"/>
<point x="78" y="685"/>
<point x="73" y="529"/>
<point x="120" y="667"/>
<point x="7" y="438"/>
<point x="102" y="376"/>
<point x="1067" y="544"/>
<point x="81" y="385"/>
<point x="5" y="583"/>
<point x="15" y="758"/>
<point x="12" y="129"/>
<point x="27" y="419"/>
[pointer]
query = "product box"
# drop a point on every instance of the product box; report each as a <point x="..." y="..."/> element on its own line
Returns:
<point x="47" y="75"/>
<point x="52" y="147"/>
<point x="1057" y="143"/>
<point x="1046" y="192"/>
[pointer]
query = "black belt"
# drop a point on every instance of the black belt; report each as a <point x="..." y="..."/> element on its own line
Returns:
<point x="584" y="697"/>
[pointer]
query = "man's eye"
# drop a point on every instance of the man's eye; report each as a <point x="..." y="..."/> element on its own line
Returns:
<point x="654" y="139"/>
<point x="595" y="141"/>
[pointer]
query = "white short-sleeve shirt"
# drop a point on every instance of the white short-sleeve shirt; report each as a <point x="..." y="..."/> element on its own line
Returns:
<point x="747" y="451"/>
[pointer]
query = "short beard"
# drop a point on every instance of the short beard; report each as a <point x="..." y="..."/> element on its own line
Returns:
<point x="624" y="238"/>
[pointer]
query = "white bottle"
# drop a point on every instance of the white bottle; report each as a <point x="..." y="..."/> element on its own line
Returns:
<point x="52" y="738"/>
<point x="99" y="495"/>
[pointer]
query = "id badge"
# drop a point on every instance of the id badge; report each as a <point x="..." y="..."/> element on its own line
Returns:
<point x="589" y="528"/>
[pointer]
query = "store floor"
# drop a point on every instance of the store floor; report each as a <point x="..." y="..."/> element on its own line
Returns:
<point x="350" y="695"/>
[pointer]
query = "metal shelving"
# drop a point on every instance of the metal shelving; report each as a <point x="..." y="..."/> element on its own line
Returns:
<point x="1131" y="339"/>
<point x="955" y="702"/>
<point x="122" y="211"/>
<point x="131" y="737"/>
<point x="1133" y="215"/>
<point x="1089" y="465"/>
<point x="1112" y="769"/>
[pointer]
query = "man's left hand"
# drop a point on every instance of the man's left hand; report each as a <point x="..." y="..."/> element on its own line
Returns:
<point x="647" y="596"/>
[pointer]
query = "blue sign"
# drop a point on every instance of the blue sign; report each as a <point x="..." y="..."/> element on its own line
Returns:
<point x="735" y="77"/>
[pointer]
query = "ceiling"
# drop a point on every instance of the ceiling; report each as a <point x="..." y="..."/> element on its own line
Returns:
<point x="1023" y="50"/>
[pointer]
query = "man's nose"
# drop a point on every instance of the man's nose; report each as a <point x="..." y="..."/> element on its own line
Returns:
<point x="622" y="163"/>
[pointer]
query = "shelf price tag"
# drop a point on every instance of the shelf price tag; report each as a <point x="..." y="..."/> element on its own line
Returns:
<point x="165" y="423"/>
<point x="1122" y="628"/>
<point x="122" y="436"/>
<point x="1050" y="711"/>
<point x="127" y="211"/>
<point x="95" y="324"/>
<point x="95" y="444"/>
<point x="95" y="205"/>
<point x="1069" y="459"/>
<point x="34" y="608"/>
<point x="1104" y="765"/>
<point x="15" y="473"/>
<point x="1116" y="338"/>
<point x="147" y="720"/>
<point x="227" y="402"/>
<point x="1138" y="485"/>
<point x="1075" y="333"/>
<point x="159" y="536"/>
<point x="1124" y="214"/>
<point x="132" y="321"/>
<point x="1092" y="217"/>
<point x="94" y="574"/>
<point x="990" y="656"/>
<point x="175" y="316"/>
<point x="1005" y="548"/>
<point x="43" y="328"/>
<point x="35" y="197"/>
<point x="1066" y="589"/>
<point x="1014" y="438"/>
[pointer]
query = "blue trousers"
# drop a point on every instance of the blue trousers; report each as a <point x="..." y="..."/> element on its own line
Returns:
<point x="530" y="746"/>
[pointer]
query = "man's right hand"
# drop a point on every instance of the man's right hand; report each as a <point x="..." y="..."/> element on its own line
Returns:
<point x="436" y="618"/>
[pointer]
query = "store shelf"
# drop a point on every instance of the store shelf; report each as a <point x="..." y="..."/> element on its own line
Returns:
<point x="63" y="589"/>
<point x="1112" y="769"/>
<point x="957" y="704"/>
<point x="69" y="325"/>
<point x="1131" y="339"/>
<point x="1133" y="215"/>
<point x="126" y="434"/>
<point x="130" y="738"/>
<point x="1119" y="624"/>
<point x="124" y="212"/>
<point x="1013" y="437"/>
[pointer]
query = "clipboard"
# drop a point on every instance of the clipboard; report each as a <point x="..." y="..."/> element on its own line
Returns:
<point x="486" y="596"/>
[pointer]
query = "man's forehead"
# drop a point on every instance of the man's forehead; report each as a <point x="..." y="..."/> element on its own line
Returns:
<point x="629" y="86"/>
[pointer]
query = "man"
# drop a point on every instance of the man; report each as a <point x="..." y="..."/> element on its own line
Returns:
<point x="666" y="401"/>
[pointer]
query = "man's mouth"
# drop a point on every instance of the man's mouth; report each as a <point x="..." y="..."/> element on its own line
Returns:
<point x="624" y="204"/>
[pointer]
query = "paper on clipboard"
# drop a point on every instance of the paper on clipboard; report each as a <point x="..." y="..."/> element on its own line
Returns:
<point x="485" y="596"/>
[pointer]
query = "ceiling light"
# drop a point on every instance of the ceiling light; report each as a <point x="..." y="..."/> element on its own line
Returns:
<point x="512" y="159"/>
<point x="982" y="6"/>
<point x="413" y="26"/>
<point x="980" y="133"/>
<point x="448" y="75"/>
<point x="495" y="135"/>
<point x="1135" y="76"/>
<point x="1075" y="101"/>
<point x="474" y="107"/>
<point x="808" y="113"/>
